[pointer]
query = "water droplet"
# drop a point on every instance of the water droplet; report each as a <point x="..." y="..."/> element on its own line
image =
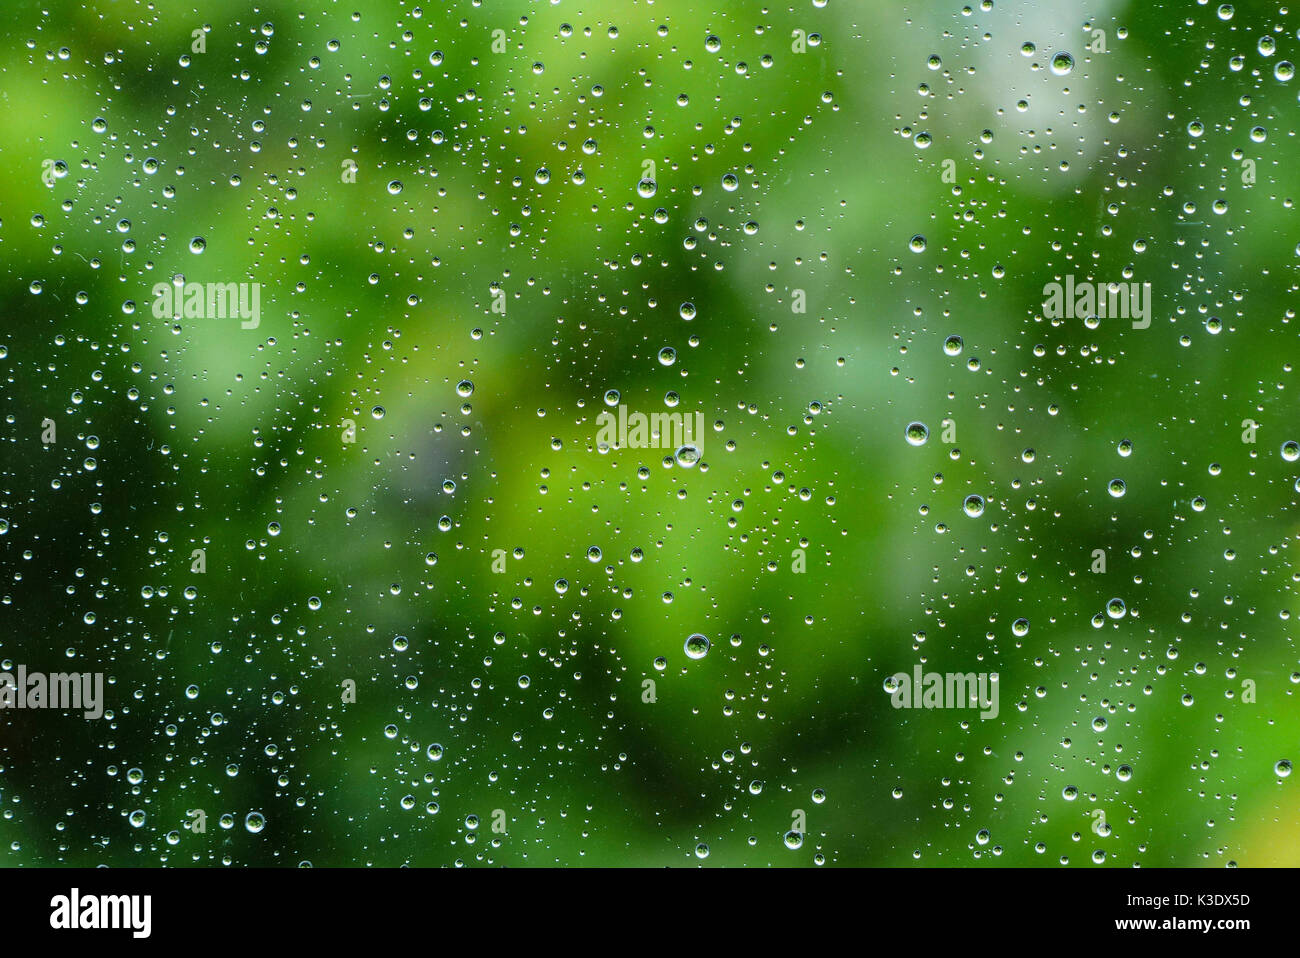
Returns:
<point x="696" y="646"/>
<point x="917" y="433"/>
<point x="1062" y="63"/>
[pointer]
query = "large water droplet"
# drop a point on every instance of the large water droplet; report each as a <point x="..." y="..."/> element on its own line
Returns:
<point x="696" y="646"/>
<point x="1062" y="63"/>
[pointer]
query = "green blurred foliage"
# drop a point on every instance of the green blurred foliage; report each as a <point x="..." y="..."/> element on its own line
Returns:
<point x="467" y="124"/>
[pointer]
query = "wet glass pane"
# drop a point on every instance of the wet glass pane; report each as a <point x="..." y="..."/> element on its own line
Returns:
<point x="675" y="433"/>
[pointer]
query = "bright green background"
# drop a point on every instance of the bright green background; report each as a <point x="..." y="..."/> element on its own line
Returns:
<point x="208" y="434"/>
